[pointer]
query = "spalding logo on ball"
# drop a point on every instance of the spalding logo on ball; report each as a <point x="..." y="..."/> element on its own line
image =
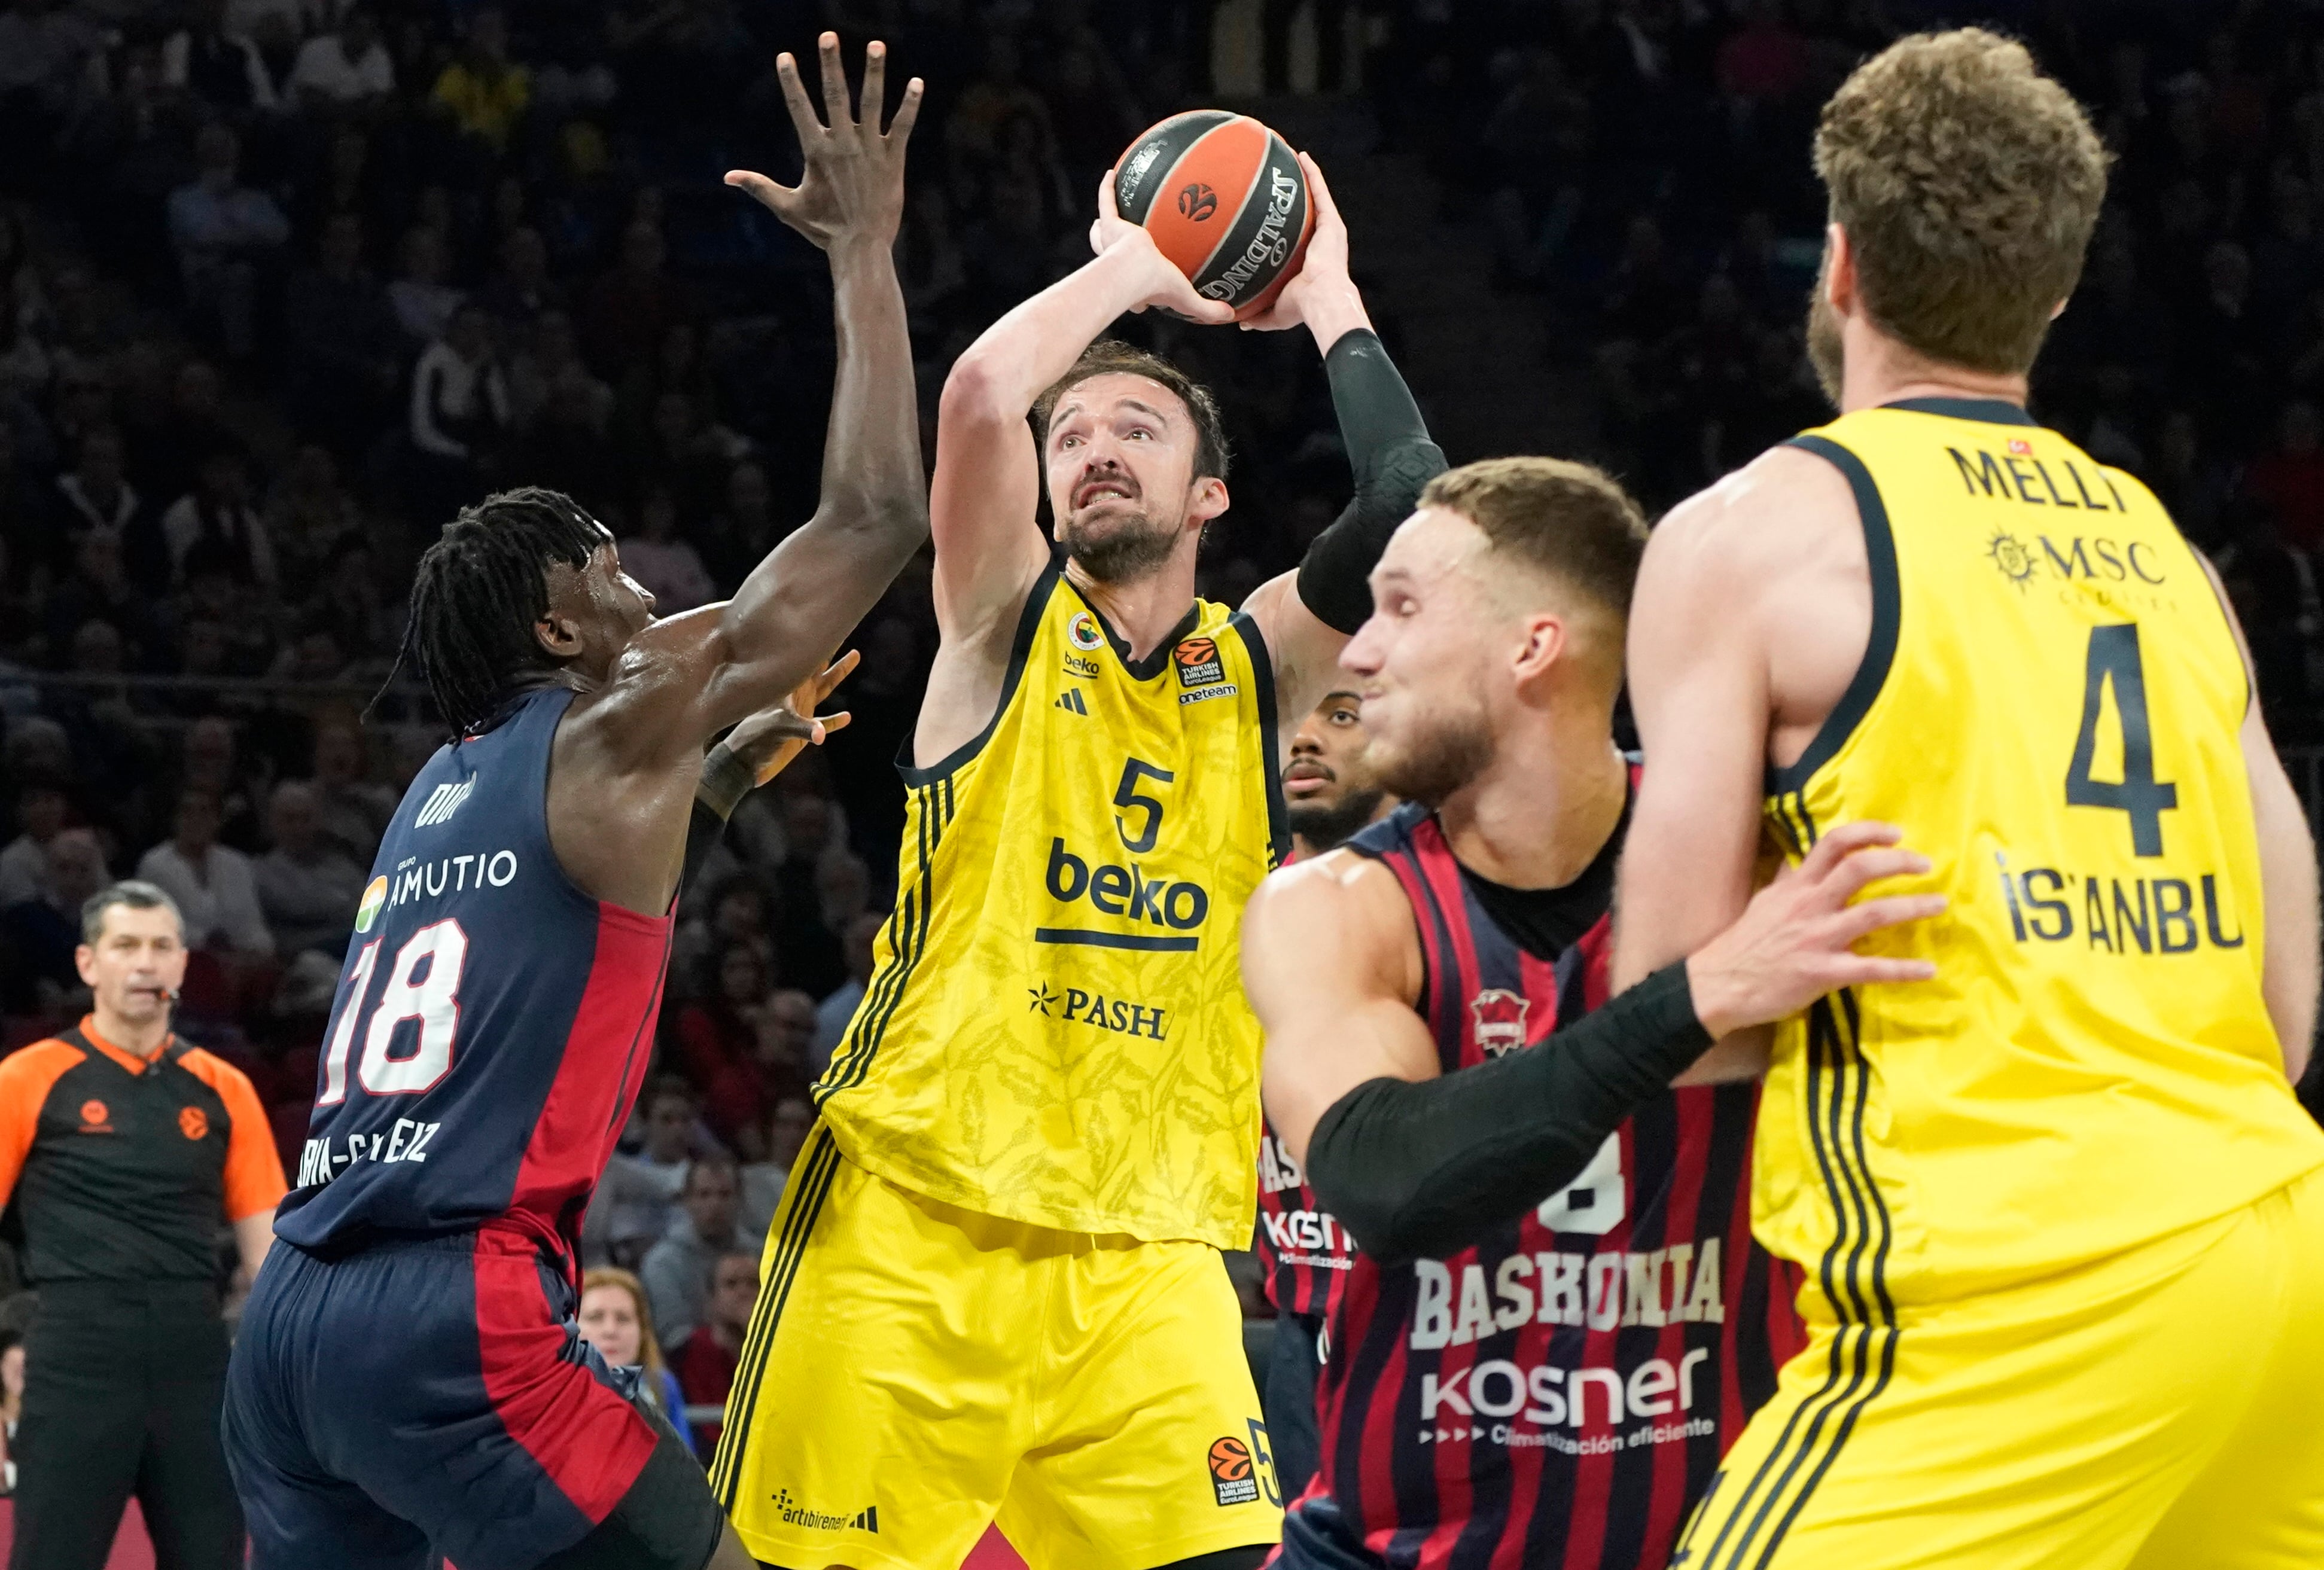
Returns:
<point x="1224" y="199"/>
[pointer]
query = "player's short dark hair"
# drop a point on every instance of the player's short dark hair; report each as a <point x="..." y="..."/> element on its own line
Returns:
<point x="131" y="893"/>
<point x="1112" y="357"/>
<point x="1969" y="184"/>
<point x="1570" y="521"/>
<point x="478" y="593"/>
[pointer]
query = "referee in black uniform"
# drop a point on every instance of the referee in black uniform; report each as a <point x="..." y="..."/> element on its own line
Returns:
<point x="122" y="1151"/>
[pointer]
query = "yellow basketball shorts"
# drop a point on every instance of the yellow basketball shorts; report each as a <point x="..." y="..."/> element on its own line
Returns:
<point x="915" y="1371"/>
<point x="2159" y="1410"/>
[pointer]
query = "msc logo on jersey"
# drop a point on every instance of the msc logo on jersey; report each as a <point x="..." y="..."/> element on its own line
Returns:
<point x="1083" y="631"/>
<point x="2012" y="555"/>
<point x="1198" y="662"/>
<point x="1499" y="1015"/>
<point x="444" y="801"/>
<point x="374" y="897"/>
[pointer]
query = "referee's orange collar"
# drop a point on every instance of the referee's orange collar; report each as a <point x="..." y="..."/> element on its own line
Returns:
<point x="122" y="1055"/>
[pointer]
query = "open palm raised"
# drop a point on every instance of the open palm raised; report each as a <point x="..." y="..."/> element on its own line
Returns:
<point x="853" y="187"/>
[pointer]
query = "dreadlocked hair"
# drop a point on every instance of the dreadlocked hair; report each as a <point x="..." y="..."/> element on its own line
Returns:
<point x="480" y="591"/>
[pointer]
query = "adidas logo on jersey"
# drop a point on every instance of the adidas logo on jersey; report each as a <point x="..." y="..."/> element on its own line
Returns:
<point x="1072" y="703"/>
<point x="442" y="804"/>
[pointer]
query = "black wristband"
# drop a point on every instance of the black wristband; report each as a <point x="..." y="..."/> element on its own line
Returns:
<point x="726" y="780"/>
<point x="1423" y="1171"/>
<point x="1393" y="459"/>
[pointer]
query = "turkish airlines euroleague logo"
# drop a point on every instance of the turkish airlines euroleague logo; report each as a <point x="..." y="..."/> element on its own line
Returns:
<point x="1198" y="662"/>
<point x="1233" y="1477"/>
<point x="1197" y="201"/>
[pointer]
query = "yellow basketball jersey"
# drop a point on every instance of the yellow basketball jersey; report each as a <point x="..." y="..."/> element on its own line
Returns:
<point x="1056" y="1030"/>
<point x="2049" y="708"/>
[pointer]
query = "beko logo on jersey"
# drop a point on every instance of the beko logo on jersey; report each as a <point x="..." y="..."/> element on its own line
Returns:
<point x="1601" y="1291"/>
<point x="2149" y="915"/>
<point x="442" y="804"/>
<point x="1176" y="904"/>
<point x="416" y="879"/>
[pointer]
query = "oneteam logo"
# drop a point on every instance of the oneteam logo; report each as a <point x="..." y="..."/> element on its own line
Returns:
<point x="442" y="804"/>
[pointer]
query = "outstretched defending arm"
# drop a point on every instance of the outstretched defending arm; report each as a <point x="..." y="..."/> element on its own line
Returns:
<point x="1309" y="615"/>
<point x="1416" y="1164"/>
<point x="703" y="670"/>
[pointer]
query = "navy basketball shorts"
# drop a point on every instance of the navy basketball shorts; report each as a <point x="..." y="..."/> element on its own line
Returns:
<point x="433" y="1397"/>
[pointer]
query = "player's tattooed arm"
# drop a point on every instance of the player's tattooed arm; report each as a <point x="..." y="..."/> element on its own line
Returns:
<point x="1309" y="615"/>
<point x="699" y="673"/>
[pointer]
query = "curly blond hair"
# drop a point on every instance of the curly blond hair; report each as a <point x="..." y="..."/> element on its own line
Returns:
<point x="1969" y="184"/>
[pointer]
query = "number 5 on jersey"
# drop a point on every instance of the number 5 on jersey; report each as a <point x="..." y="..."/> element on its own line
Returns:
<point x="432" y="999"/>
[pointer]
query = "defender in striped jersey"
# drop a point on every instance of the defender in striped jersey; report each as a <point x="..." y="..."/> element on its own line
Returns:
<point x="1558" y="1319"/>
<point x="1328" y="794"/>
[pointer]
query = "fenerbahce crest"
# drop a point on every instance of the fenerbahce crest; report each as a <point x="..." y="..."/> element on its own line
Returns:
<point x="1500" y="1017"/>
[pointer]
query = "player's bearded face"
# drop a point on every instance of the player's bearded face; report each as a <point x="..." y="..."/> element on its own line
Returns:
<point x="1434" y="745"/>
<point x="1823" y="335"/>
<point x="1111" y="527"/>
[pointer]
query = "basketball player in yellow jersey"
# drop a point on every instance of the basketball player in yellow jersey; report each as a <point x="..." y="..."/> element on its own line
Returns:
<point x="2062" y="1221"/>
<point x="994" y="1289"/>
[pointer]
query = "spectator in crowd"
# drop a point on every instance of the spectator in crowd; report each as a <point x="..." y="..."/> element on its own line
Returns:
<point x="765" y="1181"/>
<point x="37" y="969"/>
<point x="834" y="1013"/>
<point x="343" y="354"/>
<point x="96" y="492"/>
<point x="212" y="883"/>
<point x="665" y="566"/>
<point x="676" y="1268"/>
<point x="225" y="233"/>
<point x="348" y="68"/>
<point x="40" y="807"/>
<point x="481" y="93"/>
<point x="220" y="516"/>
<point x="782" y="1029"/>
<point x="706" y="1358"/>
<point x="11" y="1403"/>
<point x="213" y="60"/>
<point x="636" y="1200"/>
<point x="422" y="301"/>
<point x="718" y="1035"/>
<point x="351" y="809"/>
<point x="307" y="888"/>
<point x="459" y="410"/>
<point x="615" y="1319"/>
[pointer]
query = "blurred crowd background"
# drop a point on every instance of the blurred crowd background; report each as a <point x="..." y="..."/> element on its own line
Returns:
<point x="284" y="282"/>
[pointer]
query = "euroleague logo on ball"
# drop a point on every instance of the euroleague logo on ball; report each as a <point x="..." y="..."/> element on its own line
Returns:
<point x="1197" y="201"/>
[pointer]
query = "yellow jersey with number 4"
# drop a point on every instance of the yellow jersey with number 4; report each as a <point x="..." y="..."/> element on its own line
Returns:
<point x="1055" y="1031"/>
<point x="2049" y="707"/>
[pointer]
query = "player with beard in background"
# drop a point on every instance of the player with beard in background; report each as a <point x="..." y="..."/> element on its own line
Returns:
<point x="1304" y="1254"/>
<point x="1557" y="1318"/>
<point x="994" y="1288"/>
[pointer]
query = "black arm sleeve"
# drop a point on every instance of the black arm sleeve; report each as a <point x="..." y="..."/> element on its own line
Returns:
<point x="1388" y="447"/>
<point x="1422" y="1170"/>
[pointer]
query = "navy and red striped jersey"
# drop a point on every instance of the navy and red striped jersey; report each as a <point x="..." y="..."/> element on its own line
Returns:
<point x="1559" y="1394"/>
<point x="492" y="1025"/>
<point x="1303" y="1252"/>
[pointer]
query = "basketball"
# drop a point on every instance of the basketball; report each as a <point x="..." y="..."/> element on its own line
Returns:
<point x="1224" y="199"/>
